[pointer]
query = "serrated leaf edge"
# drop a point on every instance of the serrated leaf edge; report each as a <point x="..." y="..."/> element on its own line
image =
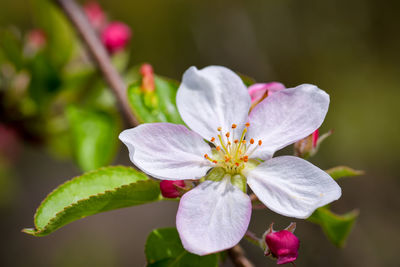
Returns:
<point x="48" y="197"/>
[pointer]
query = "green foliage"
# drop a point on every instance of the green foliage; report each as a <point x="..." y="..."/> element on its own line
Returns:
<point x="164" y="249"/>
<point x="61" y="37"/>
<point x="94" y="192"/>
<point x="94" y="136"/>
<point x="343" y="171"/>
<point x="336" y="227"/>
<point x="157" y="106"/>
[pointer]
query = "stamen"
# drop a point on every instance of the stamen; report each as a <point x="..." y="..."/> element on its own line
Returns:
<point x="206" y="156"/>
<point x="247" y="124"/>
<point x="219" y="129"/>
<point x="251" y="141"/>
<point x="234" y="126"/>
<point x="227" y="134"/>
<point x="212" y="139"/>
<point x="243" y="141"/>
<point x="214" y="161"/>
<point x="222" y="143"/>
<point x="237" y="164"/>
<point x="236" y="141"/>
<point x="218" y="148"/>
<point x="259" y="142"/>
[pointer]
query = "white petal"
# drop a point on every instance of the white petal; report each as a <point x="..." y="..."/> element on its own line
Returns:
<point x="213" y="217"/>
<point x="286" y="117"/>
<point x="292" y="186"/>
<point x="167" y="151"/>
<point x="212" y="97"/>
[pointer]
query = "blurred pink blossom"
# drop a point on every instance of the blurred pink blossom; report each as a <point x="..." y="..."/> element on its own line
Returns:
<point x="116" y="36"/>
<point x="96" y="15"/>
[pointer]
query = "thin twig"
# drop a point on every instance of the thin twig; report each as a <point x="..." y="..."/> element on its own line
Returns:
<point x="99" y="55"/>
<point x="238" y="258"/>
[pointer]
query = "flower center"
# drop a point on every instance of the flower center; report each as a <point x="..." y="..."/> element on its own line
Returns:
<point x="232" y="153"/>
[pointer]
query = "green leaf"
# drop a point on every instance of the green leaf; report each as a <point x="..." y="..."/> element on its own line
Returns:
<point x="343" y="171"/>
<point x="94" y="136"/>
<point x="164" y="249"/>
<point x="94" y="192"/>
<point x="336" y="227"/>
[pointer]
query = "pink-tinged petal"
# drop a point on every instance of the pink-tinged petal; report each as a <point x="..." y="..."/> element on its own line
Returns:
<point x="212" y="97"/>
<point x="286" y="117"/>
<point x="258" y="91"/>
<point x="213" y="217"/>
<point x="167" y="151"/>
<point x="292" y="186"/>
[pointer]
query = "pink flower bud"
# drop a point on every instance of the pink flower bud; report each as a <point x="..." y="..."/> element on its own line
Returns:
<point x="96" y="15"/>
<point x="170" y="189"/>
<point x="36" y="39"/>
<point x="116" y="36"/>
<point x="146" y="70"/>
<point x="259" y="91"/>
<point x="315" y="136"/>
<point x="283" y="245"/>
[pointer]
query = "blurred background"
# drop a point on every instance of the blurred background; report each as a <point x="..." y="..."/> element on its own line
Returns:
<point x="348" y="48"/>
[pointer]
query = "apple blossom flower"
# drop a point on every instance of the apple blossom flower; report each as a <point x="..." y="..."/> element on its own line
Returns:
<point x="170" y="189"/>
<point x="282" y="245"/>
<point x="116" y="36"/>
<point x="215" y="104"/>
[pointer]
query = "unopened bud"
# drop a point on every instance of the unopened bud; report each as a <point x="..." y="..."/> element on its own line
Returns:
<point x="282" y="245"/>
<point x="308" y="146"/>
<point x="36" y="40"/>
<point x="146" y="70"/>
<point x="172" y="189"/>
<point x="116" y="36"/>
<point x="260" y="91"/>
<point x="95" y="15"/>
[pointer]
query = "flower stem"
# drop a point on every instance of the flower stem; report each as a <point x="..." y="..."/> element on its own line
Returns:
<point x="238" y="257"/>
<point x="99" y="55"/>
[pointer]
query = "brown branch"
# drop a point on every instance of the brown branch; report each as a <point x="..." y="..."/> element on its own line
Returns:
<point x="238" y="258"/>
<point x="99" y="55"/>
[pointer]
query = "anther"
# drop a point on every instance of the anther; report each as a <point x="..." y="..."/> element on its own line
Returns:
<point x="234" y="126"/>
<point x="236" y="141"/>
<point x="227" y="134"/>
<point x="237" y="164"/>
<point x="229" y="143"/>
<point x="212" y="139"/>
<point x="214" y="161"/>
<point x="206" y="156"/>
<point x="218" y="148"/>
<point x="247" y="124"/>
<point x="251" y="141"/>
<point x="219" y="129"/>
<point x="259" y="142"/>
<point x="243" y="141"/>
